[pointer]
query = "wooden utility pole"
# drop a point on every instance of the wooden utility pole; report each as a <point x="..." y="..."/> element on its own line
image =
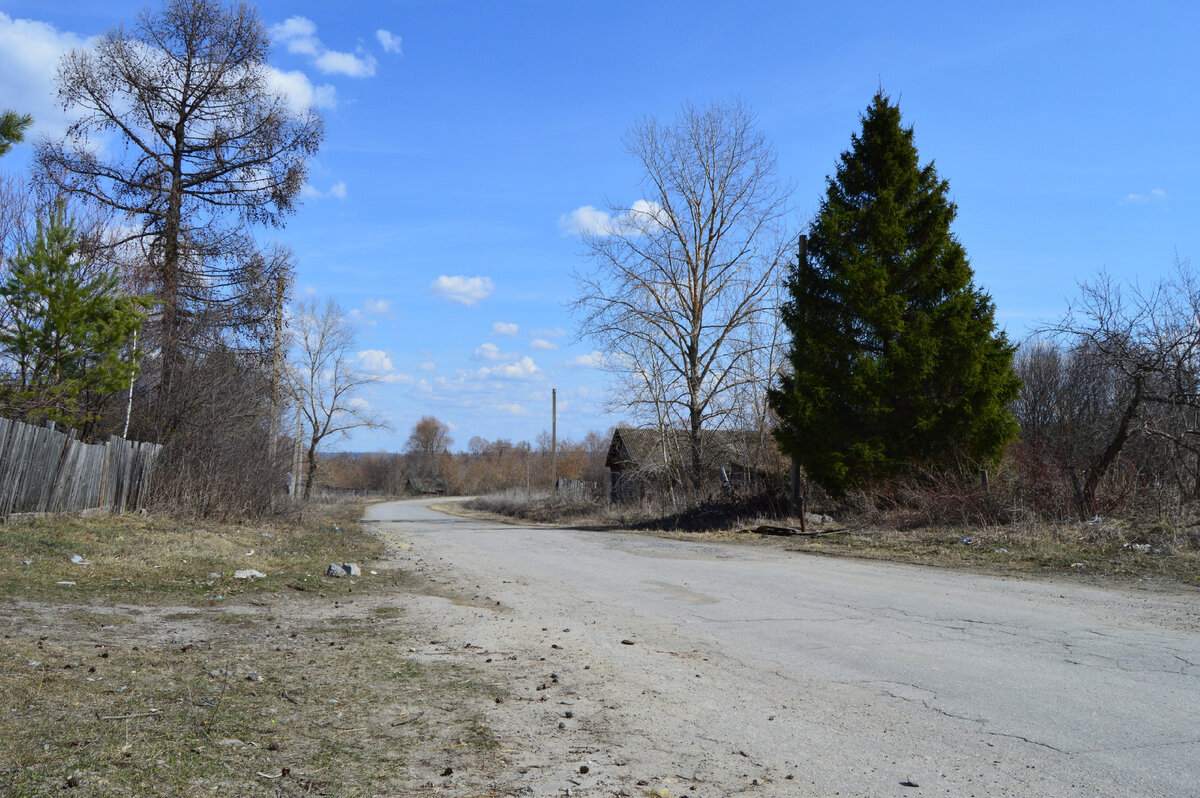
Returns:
<point x="297" y="460"/>
<point x="554" y="438"/>
<point x="276" y="367"/>
<point x="797" y="498"/>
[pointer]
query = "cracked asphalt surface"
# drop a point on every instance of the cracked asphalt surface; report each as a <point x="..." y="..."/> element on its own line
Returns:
<point x="757" y="671"/>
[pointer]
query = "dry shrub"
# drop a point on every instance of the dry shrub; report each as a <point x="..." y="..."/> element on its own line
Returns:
<point x="216" y="461"/>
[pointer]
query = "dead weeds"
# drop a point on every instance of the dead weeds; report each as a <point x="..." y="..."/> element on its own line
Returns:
<point x="1106" y="550"/>
<point x="151" y="681"/>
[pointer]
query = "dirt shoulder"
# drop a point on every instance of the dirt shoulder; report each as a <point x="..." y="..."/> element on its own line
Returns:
<point x="176" y="680"/>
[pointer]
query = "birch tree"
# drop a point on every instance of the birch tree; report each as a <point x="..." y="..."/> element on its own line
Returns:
<point x="323" y="381"/>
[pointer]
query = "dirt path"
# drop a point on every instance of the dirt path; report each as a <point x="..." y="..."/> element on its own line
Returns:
<point x="634" y="665"/>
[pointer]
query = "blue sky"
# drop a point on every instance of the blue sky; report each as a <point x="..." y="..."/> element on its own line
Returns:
<point x="459" y="140"/>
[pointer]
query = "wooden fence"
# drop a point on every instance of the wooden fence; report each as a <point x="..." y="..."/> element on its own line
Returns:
<point x="45" y="471"/>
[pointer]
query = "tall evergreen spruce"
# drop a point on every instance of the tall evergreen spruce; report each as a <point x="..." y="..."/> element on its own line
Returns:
<point x="895" y="357"/>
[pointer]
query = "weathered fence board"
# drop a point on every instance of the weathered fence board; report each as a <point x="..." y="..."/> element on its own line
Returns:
<point x="45" y="471"/>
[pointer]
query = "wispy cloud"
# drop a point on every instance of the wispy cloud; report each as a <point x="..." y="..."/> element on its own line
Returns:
<point x="389" y="41"/>
<point x="337" y="190"/>
<point x="299" y="35"/>
<point x="375" y="361"/>
<point x="377" y="306"/>
<point x="504" y="328"/>
<point x="543" y="344"/>
<point x="299" y="92"/>
<point x="514" y="408"/>
<point x="521" y="369"/>
<point x="592" y="360"/>
<point x="30" y="52"/>
<point x="488" y="351"/>
<point x="641" y="218"/>
<point x="1153" y="195"/>
<point x="461" y="289"/>
<point x="548" y="332"/>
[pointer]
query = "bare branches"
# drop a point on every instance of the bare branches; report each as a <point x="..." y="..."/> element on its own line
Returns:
<point x="681" y="277"/>
<point x="1126" y="372"/>
<point x="322" y="379"/>
<point x="203" y="147"/>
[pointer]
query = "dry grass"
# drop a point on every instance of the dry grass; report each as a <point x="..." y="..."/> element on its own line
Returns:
<point x="151" y="558"/>
<point x="154" y="686"/>
<point x="1112" y="549"/>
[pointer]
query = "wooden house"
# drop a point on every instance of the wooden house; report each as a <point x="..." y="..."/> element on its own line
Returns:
<point x="646" y="461"/>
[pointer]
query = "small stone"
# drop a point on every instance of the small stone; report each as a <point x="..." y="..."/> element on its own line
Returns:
<point x="335" y="571"/>
<point x="909" y="782"/>
<point x="583" y="769"/>
<point x="249" y="573"/>
<point x="214" y="575"/>
<point x="448" y="772"/>
<point x="627" y="642"/>
<point x="253" y="677"/>
<point x="351" y="569"/>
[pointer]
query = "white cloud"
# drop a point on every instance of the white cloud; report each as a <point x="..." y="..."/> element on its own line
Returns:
<point x="396" y="378"/>
<point x="299" y="35"/>
<point x="585" y="219"/>
<point x="428" y="365"/>
<point x="488" y="351"/>
<point x="298" y="91"/>
<point x="543" y="344"/>
<point x="461" y="289"/>
<point x="641" y="218"/>
<point x="592" y="360"/>
<point x="514" y="408"/>
<point x="358" y="403"/>
<point x="548" y="332"/>
<point x="517" y="370"/>
<point x="1154" y="195"/>
<point x="389" y="41"/>
<point x="505" y="328"/>
<point x="377" y="306"/>
<point x="354" y="66"/>
<point x="375" y="361"/>
<point x="337" y="190"/>
<point x="30" y="52"/>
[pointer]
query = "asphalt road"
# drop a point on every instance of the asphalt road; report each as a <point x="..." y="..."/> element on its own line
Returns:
<point x="856" y="676"/>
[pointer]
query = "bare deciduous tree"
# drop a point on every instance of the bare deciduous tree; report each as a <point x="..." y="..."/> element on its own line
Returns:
<point x="203" y="146"/>
<point x="323" y="381"/>
<point x="1130" y="372"/>
<point x="682" y="277"/>
<point x="427" y="447"/>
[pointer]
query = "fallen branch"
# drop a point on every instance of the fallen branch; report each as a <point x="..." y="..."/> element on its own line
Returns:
<point x="791" y="531"/>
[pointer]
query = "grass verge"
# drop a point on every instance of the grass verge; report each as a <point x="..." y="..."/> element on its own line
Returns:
<point x="149" y="558"/>
<point x="151" y="685"/>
